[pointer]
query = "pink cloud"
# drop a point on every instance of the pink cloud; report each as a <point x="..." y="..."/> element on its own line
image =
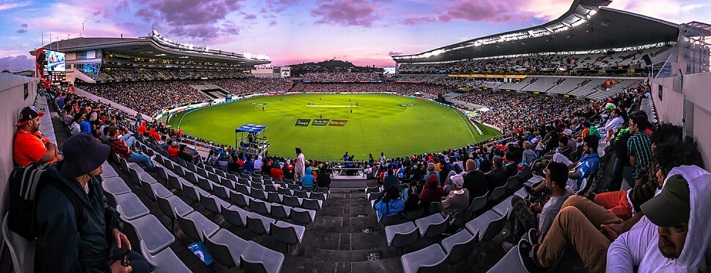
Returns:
<point x="190" y="18"/>
<point x="346" y="13"/>
<point x="16" y="63"/>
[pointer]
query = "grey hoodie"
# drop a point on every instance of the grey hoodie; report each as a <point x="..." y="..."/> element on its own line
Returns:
<point x="639" y="246"/>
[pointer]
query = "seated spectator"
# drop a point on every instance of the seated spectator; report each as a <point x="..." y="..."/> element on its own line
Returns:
<point x="657" y="243"/>
<point x="431" y="192"/>
<point x="258" y="165"/>
<point x="119" y="146"/>
<point x="276" y="171"/>
<point x="75" y="128"/>
<point x="390" y="179"/>
<point x="97" y="245"/>
<point x="457" y="200"/>
<point x="30" y="146"/>
<point x="391" y="204"/>
<point x="474" y="180"/>
<point x="541" y="215"/>
<point x="307" y="182"/>
<point x="189" y="157"/>
<point x="173" y="149"/>
<point x="587" y="166"/>
<point x="498" y="176"/>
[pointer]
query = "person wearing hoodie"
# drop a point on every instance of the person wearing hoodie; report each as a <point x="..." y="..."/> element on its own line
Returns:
<point x="673" y="235"/>
<point x="307" y="181"/>
<point x="258" y="165"/>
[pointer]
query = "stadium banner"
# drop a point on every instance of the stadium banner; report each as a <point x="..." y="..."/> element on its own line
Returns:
<point x="338" y="122"/>
<point x="302" y="122"/>
<point x="319" y="122"/>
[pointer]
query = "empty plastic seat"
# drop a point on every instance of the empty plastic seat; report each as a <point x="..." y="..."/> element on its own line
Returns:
<point x="488" y="225"/>
<point x="291" y="201"/>
<point x="244" y="189"/>
<point x="131" y="206"/>
<point x="226" y="247"/>
<point x="114" y="186"/>
<point x="235" y="215"/>
<point x="192" y="192"/>
<point x="153" y="191"/>
<point x="286" y="233"/>
<point x="227" y="183"/>
<point x="318" y="196"/>
<point x="238" y="199"/>
<point x="161" y="173"/>
<point x="259" y="259"/>
<point x="510" y="263"/>
<point x="302" y="216"/>
<point x="212" y="203"/>
<point x="401" y="235"/>
<point x="193" y="223"/>
<point x="311" y="204"/>
<point x="503" y="207"/>
<point x="521" y="193"/>
<point x="301" y="194"/>
<point x="459" y="246"/>
<point x="22" y="252"/>
<point x="431" y="226"/>
<point x="204" y="184"/>
<point x="108" y="170"/>
<point x="274" y="197"/>
<point x="149" y="230"/>
<point x="497" y="193"/>
<point x="279" y="211"/>
<point x="171" y="205"/>
<point x="258" y="223"/>
<point x="389" y="220"/>
<point x="260" y="207"/>
<point x="285" y="191"/>
<point x="258" y="193"/>
<point x="429" y="259"/>
<point x="165" y="261"/>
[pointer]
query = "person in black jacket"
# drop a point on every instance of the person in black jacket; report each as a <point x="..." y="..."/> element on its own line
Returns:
<point x="498" y="176"/>
<point x="474" y="180"/>
<point x="324" y="178"/>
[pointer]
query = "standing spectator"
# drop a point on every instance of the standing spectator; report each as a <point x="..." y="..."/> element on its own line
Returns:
<point x="299" y="166"/>
<point x="97" y="245"/>
<point x="639" y="147"/>
<point x="30" y="146"/>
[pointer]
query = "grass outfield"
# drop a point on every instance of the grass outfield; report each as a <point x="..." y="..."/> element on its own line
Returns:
<point x="396" y="125"/>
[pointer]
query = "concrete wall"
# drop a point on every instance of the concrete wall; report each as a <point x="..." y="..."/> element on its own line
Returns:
<point x="12" y="100"/>
<point x="696" y="93"/>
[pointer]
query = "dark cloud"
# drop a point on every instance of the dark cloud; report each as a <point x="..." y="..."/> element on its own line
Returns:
<point x="394" y="53"/>
<point x="272" y="23"/>
<point x="250" y="17"/>
<point x="122" y="6"/>
<point x="190" y="18"/>
<point x="346" y="13"/>
<point x="23" y="29"/>
<point x="17" y="63"/>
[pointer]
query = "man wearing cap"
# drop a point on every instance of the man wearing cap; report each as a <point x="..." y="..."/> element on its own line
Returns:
<point x="97" y="244"/>
<point x="30" y="146"/>
<point x="675" y="232"/>
<point x="457" y="200"/>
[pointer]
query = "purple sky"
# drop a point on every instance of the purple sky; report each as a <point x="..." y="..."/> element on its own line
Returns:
<point x="364" y="32"/>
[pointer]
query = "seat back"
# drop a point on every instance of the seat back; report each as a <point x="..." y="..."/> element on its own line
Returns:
<point x="462" y="249"/>
<point x="286" y="235"/>
<point x="220" y="252"/>
<point x="234" y="215"/>
<point x="391" y="220"/>
<point x="188" y="227"/>
<point x="255" y="224"/>
<point x="402" y="240"/>
<point x="495" y="227"/>
<point x="497" y="193"/>
<point x="22" y="252"/>
<point x="300" y="216"/>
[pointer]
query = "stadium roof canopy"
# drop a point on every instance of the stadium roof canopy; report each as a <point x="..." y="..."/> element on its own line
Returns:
<point x="154" y="47"/>
<point x="587" y="25"/>
<point x="250" y="128"/>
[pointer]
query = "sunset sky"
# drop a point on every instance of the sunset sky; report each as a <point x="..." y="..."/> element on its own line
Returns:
<point x="293" y="31"/>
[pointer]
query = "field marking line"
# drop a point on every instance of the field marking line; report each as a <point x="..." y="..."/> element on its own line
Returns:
<point x="466" y="123"/>
<point x="332" y="106"/>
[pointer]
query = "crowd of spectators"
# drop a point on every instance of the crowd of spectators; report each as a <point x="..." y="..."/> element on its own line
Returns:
<point x="143" y="74"/>
<point x="342" y="77"/>
<point x="545" y="64"/>
<point x="162" y="94"/>
<point x="252" y="85"/>
<point x="400" y="88"/>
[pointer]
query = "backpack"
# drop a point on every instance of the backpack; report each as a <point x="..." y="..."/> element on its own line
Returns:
<point x="26" y="183"/>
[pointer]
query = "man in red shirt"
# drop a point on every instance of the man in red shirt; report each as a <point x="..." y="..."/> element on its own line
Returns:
<point x="30" y="146"/>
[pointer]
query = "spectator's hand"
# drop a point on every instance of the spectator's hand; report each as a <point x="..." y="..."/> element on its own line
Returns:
<point x="117" y="267"/>
<point x="121" y="240"/>
<point x="536" y="207"/>
<point x="611" y="231"/>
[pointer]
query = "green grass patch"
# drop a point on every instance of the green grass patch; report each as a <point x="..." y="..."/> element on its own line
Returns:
<point x="395" y="125"/>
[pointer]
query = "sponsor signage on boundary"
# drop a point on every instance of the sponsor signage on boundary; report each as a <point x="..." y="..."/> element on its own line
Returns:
<point x="338" y="122"/>
<point x="319" y="122"/>
<point x="302" y="122"/>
